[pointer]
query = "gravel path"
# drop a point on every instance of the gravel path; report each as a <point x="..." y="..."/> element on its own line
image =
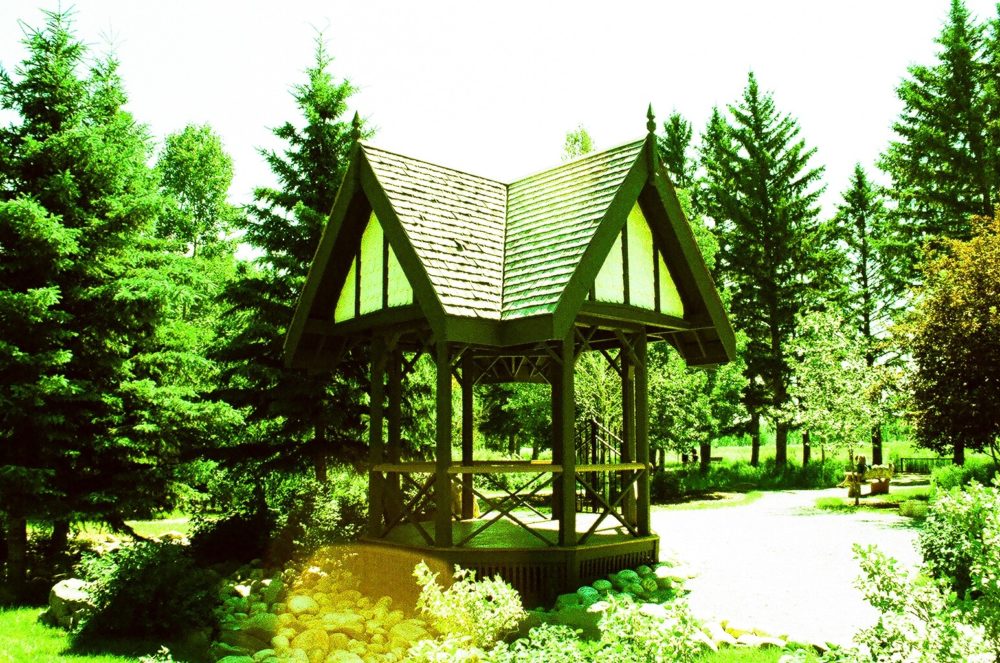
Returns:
<point x="780" y="564"/>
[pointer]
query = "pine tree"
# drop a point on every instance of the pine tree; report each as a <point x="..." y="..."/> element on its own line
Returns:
<point x="674" y="147"/>
<point x="762" y="193"/>
<point x="871" y="277"/>
<point x="945" y="163"/>
<point x="296" y="415"/>
<point x="87" y="424"/>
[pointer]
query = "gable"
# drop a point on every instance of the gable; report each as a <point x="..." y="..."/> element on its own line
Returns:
<point x="375" y="279"/>
<point x="635" y="272"/>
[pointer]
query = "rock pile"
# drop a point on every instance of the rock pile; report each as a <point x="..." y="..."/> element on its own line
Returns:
<point x="316" y="614"/>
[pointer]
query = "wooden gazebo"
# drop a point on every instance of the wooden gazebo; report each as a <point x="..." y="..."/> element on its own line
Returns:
<point x="510" y="282"/>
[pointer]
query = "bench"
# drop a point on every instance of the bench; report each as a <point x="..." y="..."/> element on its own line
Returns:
<point x="879" y="477"/>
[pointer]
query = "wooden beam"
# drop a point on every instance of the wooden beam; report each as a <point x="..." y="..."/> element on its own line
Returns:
<point x="628" y="425"/>
<point x="394" y="452"/>
<point x="642" y="432"/>
<point x="468" y="381"/>
<point x="564" y="417"/>
<point x="442" y="456"/>
<point x="375" y="420"/>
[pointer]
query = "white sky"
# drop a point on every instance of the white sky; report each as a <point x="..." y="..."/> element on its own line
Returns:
<point x="492" y="88"/>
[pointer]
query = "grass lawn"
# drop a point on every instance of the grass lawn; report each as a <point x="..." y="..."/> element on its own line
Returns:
<point x="877" y="503"/>
<point x="23" y="640"/>
<point x="715" y="501"/>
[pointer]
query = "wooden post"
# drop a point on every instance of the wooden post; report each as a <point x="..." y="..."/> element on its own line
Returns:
<point x="394" y="451"/>
<point x="642" y="432"/>
<point x="563" y="420"/>
<point x="375" y="420"/>
<point x="442" y="456"/>
<point x="557" y="450"/>
<point x="468" y="380"/>
<point x="628" y="430"/>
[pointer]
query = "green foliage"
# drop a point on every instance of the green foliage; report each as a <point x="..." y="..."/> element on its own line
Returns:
<point x="477" y="613"/>
<point x="195" y="176"/>
<point x="917" y="617"/>
<point x="296" y="417"/>
<point x="577" y="143"/>
<point x="946" y="477"/>
<point x="148" y="589"/>
<point x="954" y="338"/>
<point x="311" y="514"/>
<point x="944" y="162"/>
<point x="774" y="254"/>
<point x="834" y="386"/>
<point x="676" y="484"/>
<point x="916" y="509"/>
<point x="630" y="633"/>
<point x="674" y="148"/>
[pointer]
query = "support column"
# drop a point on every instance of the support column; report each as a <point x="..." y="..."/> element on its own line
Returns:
<point x="628" y="430"/>
<point x="563" y="420"/>
<point x="375" y="450"/>
<point x="557" y="451"/>
<point x="394" y="450"/>
<point x="442" y="455"/>
<point x="642" y="431"/>
<point x="468" y="381"/>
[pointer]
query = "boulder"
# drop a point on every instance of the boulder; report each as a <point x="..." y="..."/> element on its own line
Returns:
<point x="343" y="656"/>
<point x="310" y="639"/>
<point x="69" y="600"/>
<point x="262" y="625"/>
<point x="242" y="640"/>
<point x="301" y="604"/>
<point x="349" y="623"/>
<point x="410" y="631"/>
<point x="719" y="635"/>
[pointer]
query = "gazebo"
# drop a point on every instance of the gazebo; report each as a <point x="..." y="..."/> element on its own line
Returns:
<point x="509" y="282"/>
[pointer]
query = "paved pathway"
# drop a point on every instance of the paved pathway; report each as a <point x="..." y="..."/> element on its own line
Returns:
<point x="780" y="564"/>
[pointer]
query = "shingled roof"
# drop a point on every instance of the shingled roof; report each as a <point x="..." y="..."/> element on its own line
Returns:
<point x="497" y="254"/>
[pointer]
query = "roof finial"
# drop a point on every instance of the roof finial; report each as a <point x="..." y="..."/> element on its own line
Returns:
<point x="356" y="127"/>
<point x="650" y="121"/>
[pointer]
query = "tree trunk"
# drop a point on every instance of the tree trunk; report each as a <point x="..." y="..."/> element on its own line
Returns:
<point x="534" y="448"/>
<point x="17" y="555"/>
<point x="781" y="444"/>
<point x="705" y="457"/>
<point x="60" y="536"/>
<point x="512" y="445"/>
<point x="806" y="448"/>
<point x="319" y="454"/>
<point x="877" y="445"/>
<point x="959" y="456"/>
<point x="755" y="440"/>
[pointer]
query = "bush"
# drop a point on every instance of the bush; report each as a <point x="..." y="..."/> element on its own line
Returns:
<point x="947" y="477"/>
<point x="913" y="509"/>
<point x="310" y="514"/>
<point x="148" y="589"/>
<point x="477" y="614"/>
<point x="676" y="484"/>
<point x="952" y="539"/>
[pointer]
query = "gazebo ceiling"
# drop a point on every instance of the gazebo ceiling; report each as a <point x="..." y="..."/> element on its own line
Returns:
<point x="600" y="240"/>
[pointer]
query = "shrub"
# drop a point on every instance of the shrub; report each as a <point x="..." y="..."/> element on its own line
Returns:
<point x="310" y="514"/>
<point x="952" y="539"/>
<point x="675" y="484"/>
<point x="478" y="614"/>
<point x="947" y="477"/>
<point x="913" y="509"/>
<point x="148" y="589"/>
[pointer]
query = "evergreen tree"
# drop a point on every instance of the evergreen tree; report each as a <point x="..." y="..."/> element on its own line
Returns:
<point x="872" y="279"/>
<point x="674" y="147"/>
<point x="774" y="254"/>
<point x="89" y="428"/>
<point x="296" y="415"/>
<point x="945" y="163"/>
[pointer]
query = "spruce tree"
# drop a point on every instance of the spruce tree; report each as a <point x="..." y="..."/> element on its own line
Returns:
<point x="945" y="161"/>
<point x="87" y="423"/>
<point x="297" y="416"/>
<point x="762" y="193"/>
<point x="871" y="277"/>
<point x="674" y="147"/>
